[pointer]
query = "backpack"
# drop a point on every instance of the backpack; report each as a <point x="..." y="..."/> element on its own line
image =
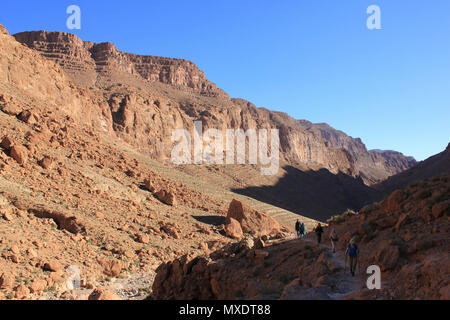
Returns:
<point x="352" y="251"/>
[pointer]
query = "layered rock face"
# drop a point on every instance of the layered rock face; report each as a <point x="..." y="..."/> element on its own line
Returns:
<point x="87" y="62"/>
<point x="147" y="119"/>
<point x="84" y="60"/>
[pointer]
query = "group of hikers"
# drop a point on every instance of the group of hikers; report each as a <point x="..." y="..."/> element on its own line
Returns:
<point x="301" y="229"/>
<point x="352" y="250"/>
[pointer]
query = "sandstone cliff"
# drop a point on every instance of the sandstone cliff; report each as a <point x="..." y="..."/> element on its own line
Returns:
<point x="150" y="96"/>
<point x="84" y="60"/>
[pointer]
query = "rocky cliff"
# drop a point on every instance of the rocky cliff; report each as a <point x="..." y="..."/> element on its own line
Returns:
<point x="150" y="96"/>
<point x="84" y="60"/>
<point x="373" y="166"/>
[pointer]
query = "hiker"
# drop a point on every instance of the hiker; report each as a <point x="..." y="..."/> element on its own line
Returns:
<point x="297" y="228"/>
<point x="302" y="230"/>
<point x="334" y="239"/>
<point x="352" y="252"/>
<point x="319" y="231"/>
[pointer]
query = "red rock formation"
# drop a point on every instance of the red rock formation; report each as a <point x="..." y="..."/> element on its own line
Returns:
<point x="252" y="221"/>
<point x="137" y="115"/>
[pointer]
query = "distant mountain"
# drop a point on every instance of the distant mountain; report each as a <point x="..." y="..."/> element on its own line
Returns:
<point x="372" y="166"/>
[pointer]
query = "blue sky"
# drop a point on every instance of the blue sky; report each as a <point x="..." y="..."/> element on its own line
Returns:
<point x="314" y="59"/>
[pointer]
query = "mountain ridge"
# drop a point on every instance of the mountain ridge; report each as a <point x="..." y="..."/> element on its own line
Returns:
<point x="103" y="65"/>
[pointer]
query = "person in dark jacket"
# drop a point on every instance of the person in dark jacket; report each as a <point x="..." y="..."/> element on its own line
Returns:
<point x="319" y="232"/>
<point x="297" y="228"/>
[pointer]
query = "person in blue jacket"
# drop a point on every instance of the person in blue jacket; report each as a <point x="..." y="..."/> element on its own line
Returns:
<point x="302" y="230"/>
<point x="352" y="252"/>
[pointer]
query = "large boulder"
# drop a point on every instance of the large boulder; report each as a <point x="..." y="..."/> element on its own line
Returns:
<point x="252" y="221"/>
<point x="20" y="154"/>
<point x="111" y="267"/>
<point x="149" y="185"/>
<point x="7" y="143"/>
<point x="233" y="229"/>
<point x="53" y="266"/>
<point x="7" y="281"/>
<point x="168" y="197"/>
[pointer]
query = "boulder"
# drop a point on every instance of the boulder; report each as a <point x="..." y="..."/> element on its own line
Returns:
<point x="53" y="266"/>
<point x="254" y="222"/>
<point x="168" y="197"/>
<point x="38" y="286"/>
<point x="149" y="185"/>
<point x="11" y="109"/>
<point x="29" y="117"/>
<point x="20" y="154"/>
<point x="7" y="143"/>
<point x="46" y="163"/>
<point x="111" y="267"/>
<point x="22" y="292"/>
<point x="102" y="294"/>
<point x="171" y="230"/>
<point x="233" y="229"/>
<point x="7" y="281"/>
<point x="143" y="238"/>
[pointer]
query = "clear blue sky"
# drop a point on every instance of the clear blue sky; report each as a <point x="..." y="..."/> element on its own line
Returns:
<point x="313" y="59"/>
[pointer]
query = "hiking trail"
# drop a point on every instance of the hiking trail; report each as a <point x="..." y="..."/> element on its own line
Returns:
<point x="343" y="284"/>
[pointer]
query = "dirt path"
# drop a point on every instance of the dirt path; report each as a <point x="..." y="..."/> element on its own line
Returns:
<point x="343" y="282"/>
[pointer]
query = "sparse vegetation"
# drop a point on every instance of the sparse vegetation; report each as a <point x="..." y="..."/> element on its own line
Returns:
<point x="50" y="289"/>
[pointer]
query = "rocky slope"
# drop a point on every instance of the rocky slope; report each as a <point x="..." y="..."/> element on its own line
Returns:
<point x="431" y="167"/>
<point x="77" y="187"/>
<point x="406" y="236"/>
<point x="147" y="118"/>
<point x="73" y="194"/>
